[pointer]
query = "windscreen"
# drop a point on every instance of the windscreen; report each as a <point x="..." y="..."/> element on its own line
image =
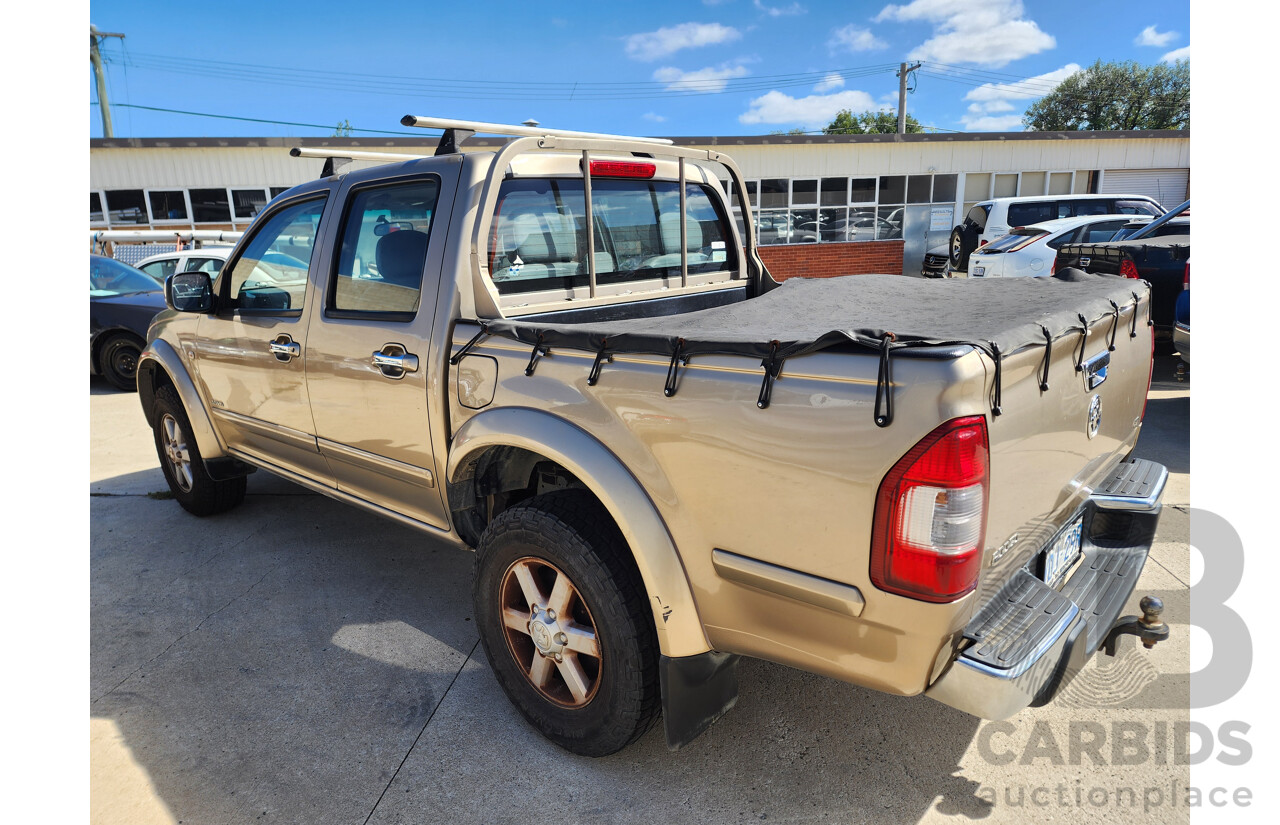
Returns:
<point x="539" y="237"/>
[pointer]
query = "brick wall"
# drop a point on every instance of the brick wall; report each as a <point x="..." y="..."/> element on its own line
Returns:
<point x="826" y="260"/>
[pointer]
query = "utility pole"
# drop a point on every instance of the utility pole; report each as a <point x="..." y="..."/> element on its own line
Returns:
<point x="96" y="60"/>
<point x="903" y="71"/>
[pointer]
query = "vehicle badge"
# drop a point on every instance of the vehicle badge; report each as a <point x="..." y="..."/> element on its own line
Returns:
<point x="1095" y="416"/>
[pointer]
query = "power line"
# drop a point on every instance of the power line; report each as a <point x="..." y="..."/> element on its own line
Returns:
<point x="419" y="133"/>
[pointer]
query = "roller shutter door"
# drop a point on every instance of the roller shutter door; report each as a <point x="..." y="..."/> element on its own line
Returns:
<point x="1167" y="186"/>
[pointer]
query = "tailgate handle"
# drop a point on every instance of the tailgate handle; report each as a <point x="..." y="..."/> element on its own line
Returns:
<point x="1095" y="369"/>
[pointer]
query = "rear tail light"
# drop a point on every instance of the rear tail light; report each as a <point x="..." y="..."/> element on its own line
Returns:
<point x="1129" y="269"/>
<point x="1186" y="276"/>
<point x="931" y="515"/>
<point x="622" y="169"/>
<point x="1053" y="267"/>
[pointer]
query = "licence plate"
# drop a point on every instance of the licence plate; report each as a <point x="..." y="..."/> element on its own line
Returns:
<point x="979" y="271"/>
<point x="1060" y="555"/>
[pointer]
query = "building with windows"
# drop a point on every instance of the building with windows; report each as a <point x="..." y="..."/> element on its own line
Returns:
<point x="824" y="204"/>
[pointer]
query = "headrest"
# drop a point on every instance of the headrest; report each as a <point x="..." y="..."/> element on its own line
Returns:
<point x="542" y="247"/>
<point x="401" y="256"/>
<point x="670" y="225"/>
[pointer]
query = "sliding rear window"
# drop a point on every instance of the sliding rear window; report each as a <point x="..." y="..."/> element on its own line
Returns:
<point x="539" y="239"/>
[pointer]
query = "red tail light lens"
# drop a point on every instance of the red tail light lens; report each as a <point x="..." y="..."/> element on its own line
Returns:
<point x="622" y="169"/>
<point x="1186" y="276"/>
<point x="931" y="515"/>
<point x="1129" y="270"/>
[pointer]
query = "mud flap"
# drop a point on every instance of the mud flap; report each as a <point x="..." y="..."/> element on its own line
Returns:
<point x="696" y="691"/>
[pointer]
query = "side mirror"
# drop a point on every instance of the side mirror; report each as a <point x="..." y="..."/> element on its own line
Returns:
<point x="189" y="292"/>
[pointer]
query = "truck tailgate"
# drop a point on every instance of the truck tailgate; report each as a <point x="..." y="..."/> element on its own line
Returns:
<point x="1058" y="439"/>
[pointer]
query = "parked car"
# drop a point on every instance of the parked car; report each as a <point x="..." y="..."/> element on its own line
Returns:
<point x="490" y="387"/>
<point x="1175" y="226"/>
<point x="208" y="259"/>
<point x="1029" y="250"/>
<point x="122" y="302"/>
<point x="1182" y="324"/>
<point x="990" y="219"/>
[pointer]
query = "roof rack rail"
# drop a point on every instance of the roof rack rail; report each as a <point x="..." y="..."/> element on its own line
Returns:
<point x="456" y="131"/>
<point x="335" y="159"/>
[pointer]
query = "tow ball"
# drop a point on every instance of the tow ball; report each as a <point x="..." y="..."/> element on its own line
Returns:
<point x="1146" y="627"/>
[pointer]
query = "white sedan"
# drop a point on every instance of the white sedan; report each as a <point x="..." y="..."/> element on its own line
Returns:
<point x="1030" y="250"/>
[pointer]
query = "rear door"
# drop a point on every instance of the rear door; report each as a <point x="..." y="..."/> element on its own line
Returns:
<point x="368" y="344"/>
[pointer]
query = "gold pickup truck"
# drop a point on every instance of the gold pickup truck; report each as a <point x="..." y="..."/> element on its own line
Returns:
<point x="566" y="355"/>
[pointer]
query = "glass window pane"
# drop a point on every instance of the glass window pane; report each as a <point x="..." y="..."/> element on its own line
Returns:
<point x="833" y="224"/>
<point x="862" y="190"/>
<point x="862" y="224"/>
<point x="95" y="208"/>
<point x="918" y="188"/>
<point x="977" y="186"/>
<point x="1025" y="214"/>
<point x="1006" y="186"/>
<point x="271" y="274"/>
<point x="277" y="191"/>
<point x="944" y="188"/>
<point x="211" y="265"/>
<point x="210" y="206"/>
<point x="1032" y="183"/>
<point x="806" y="226"/>
<point x="835" y="191"/>
<point x="160" y="269"/>
<point x="804" y="192"/>
<point x="1060" y="183"/>
<point x="168" y="206"/>
<point x="773" y="227"/>
<point x="539" y="240"/>
<point x="109" y="277"/>
<point x="384" y="248"/>
<point x="248" y="202"/>
<point x="893" y="189"/>
<point x="126" y="206"/>
<point x="889" y="223"/>
<point x="773" y="193"/>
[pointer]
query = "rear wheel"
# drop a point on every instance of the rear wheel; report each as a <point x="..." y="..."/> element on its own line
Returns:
<point x="565" y="623"/>
<point x="184" y="470"/>
<point x="118" y="362"/>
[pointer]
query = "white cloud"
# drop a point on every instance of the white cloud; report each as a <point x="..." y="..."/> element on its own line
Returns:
<point x="671" y="39"/>
<point x="780" y="11"/>
<point x="829" y="83"/>
<point x="656" y="118"/>
<point x="710" y="79"/>
<point x="993" y="33"/>
<point x="1151" y="37"/>
<point x="1177" y="54"/>
<point x="989" y="99"/>
<point x="854" y="39"/>
<point x="814" y="111"/>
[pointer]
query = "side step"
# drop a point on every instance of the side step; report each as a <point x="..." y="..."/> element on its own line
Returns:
<point x="1136" y="484"/>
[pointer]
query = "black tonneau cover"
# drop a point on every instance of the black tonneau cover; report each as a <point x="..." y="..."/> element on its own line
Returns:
<point x="883" y="312"/>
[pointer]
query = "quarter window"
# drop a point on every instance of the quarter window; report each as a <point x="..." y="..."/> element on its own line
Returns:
<point x="384" y="249"/>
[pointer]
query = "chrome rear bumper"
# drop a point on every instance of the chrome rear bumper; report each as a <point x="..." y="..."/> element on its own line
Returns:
<point x="1030" y="640"/>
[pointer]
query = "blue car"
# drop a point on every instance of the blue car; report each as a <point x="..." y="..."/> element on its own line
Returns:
<point x="122" y="302"/>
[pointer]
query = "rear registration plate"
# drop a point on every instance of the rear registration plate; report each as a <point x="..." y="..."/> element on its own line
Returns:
<point x="979" y="271"/>
<point x="1062" y="553"/>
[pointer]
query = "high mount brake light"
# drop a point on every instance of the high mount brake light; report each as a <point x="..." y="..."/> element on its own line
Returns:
<point x="622" y="169"/>
<point x="931" y="515"/>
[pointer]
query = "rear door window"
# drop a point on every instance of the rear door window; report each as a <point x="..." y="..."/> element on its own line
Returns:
<point x="977" y="216"/>
<point x="539" y="235"/>
<point x="1024" y="214"/>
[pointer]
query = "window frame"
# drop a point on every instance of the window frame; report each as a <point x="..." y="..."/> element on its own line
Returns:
<point x="105" y="220"/>
<point x="186" y="204"/>
<point x="191" y="210"/>
<point x="331" y="282"/>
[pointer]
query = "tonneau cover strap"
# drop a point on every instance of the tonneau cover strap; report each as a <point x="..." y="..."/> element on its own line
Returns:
<point x="1115" y="324"/>
<point x="676" y="359"/>
<point x="1048" y="353"/>
<point x="884" y="384"/>
<point x="1133" y="322"/>
<point x="772" y="366"/>
<point x="1084" y="341"/>
<point x="467" y="347"/>
<point x="538" y="349"/>
<point x="995" y="402"/>
<point x="601" y="357"/>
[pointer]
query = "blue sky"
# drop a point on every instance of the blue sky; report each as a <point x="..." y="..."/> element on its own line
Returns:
<point x="700" y="67"/>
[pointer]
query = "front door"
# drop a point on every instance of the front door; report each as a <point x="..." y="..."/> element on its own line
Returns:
<point x="367" y="348"/>
<point x="249" y="355"/>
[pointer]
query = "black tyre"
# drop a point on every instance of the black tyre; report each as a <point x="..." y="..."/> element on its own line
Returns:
<point x="565" y="623"/>
<point x="964" y="239"/>
<point x="118" y="362"/>
<point x="183" y="467"/>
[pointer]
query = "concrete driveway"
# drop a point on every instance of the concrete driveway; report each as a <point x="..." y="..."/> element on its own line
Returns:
<point x="297" y="660"/>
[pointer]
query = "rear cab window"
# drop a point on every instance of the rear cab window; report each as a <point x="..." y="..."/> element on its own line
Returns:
<point x="538" y="244"/>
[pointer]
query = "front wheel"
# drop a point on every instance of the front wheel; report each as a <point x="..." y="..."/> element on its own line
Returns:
<point x="118" y="363"/>
<point x="565" y="624"/>
<point x="184" y="470"/>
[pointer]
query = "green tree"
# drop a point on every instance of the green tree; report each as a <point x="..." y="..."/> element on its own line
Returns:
<point x="343" y="129"/>
<point x="1116" y="97"/>
<point x="869" y="123"/>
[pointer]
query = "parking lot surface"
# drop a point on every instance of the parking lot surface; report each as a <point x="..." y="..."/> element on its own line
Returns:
<point x="298" y="660"/>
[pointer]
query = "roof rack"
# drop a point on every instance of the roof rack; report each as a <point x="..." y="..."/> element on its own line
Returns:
<point x="335" y="159"/>
<point x="456" y="131"/>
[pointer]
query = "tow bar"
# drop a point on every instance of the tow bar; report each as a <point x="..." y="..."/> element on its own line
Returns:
<point x="1146" y="627"/>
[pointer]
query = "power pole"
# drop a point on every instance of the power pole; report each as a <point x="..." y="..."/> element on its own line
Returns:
<point x="903" y="71"/>
<point x="96" y="60"/>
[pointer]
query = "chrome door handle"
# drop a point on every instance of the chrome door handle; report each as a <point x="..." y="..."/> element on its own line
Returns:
<point x="284" y="349"/>
<point x="394" y="366"/>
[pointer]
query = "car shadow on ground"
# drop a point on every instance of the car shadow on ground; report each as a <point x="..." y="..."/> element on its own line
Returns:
<point x="289" y="658"/>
